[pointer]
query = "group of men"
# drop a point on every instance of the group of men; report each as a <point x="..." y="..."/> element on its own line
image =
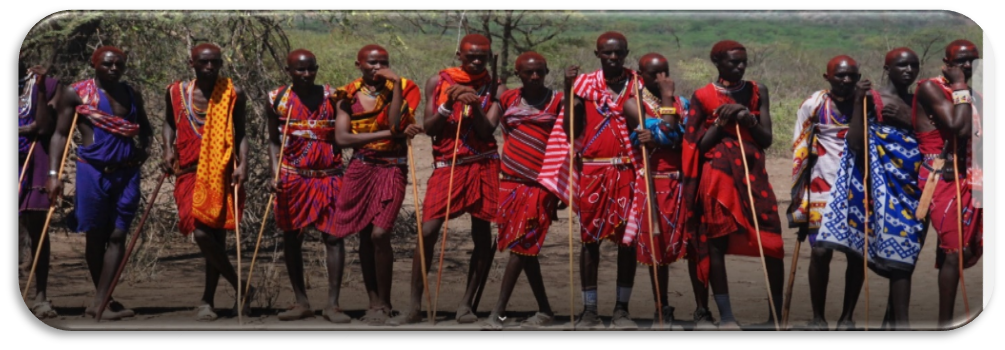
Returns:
<point x="708" y="190"/>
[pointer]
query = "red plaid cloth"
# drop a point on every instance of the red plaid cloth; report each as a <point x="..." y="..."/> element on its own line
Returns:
<point x="476" y="185"/>
<point x="670" y="243"/>
<point x="371" y="194"/>
<point x="525" y="214"/>
<point x="90" y="96"/>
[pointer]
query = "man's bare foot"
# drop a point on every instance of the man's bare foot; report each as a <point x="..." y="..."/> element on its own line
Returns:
<point x="817" y="325"/>
<point x="44" y="310"/>
<point x="335" y="315"/>
<point x="408" y="317"/>
<point x="845" y="326"/>
<point x="465" y="315"/>
<point x="205" y="313"/>
<point x="296" y="312"/>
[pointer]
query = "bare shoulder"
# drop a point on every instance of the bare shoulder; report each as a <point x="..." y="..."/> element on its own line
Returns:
<point x="432" y="81"/>
<point x="762" y="88"/>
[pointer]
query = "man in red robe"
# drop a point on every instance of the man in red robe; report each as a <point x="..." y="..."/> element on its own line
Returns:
<point x="310" y="177"/>
<point x="947" y="117"/>
<point x="715" y="183"/>
<point x="606" y="175"/>
<point x="202" y="135"/>
<point x="460" y="97"/>
<point x="375" y="114"/>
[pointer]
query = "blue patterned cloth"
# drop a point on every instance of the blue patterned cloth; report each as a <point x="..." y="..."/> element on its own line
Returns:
<point x="896" y="236"/>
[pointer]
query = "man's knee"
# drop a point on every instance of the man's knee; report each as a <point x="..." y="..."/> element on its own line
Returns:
<point x="821" y="255"/>
<point x="118" y="236"/>
<point x="203" y="235"/>
<point x="333" y="241"/>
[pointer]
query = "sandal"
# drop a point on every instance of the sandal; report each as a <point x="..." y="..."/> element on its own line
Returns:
<point x="408" y="317"/>
<point x="539" y="320"/>
<point x="107" y="315"/>
<point x="120" y="309"/>
<point x="817" y="325"/>
<point x="846" y="326"/>
<point x="375" y="317"/>
<point x="494" y="322"/>
<point x="44" y="310"/>
<point x="335" y="315"/>
<point x="205" y="313"/>
<point x="296" y="312"/>
<point x="465" y="315"/>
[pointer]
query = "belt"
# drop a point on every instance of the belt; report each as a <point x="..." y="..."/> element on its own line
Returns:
<point x="930" y="156"/>
<point x="464" y="160"/>
<point x="111" y="168"/>
<point x="673" y="175"/>
<point x="189" y="169"/>
<point x="509" y="178"/>
<point x="611" y="161"/>
<point x="313" y="172"/>
<point x="381" y="160"/>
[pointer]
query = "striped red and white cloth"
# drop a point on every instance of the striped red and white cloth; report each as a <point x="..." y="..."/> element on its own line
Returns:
<point x="554" y="173"/>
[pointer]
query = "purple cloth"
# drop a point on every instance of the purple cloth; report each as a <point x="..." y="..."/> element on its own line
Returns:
<point x="108" y="148"/>
<point x="104" y="199"/>
<point x="32" y="196"/>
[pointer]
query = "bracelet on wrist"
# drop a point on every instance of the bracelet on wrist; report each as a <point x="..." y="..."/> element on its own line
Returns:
<point x="442" y="110"/>
<point x="962" y="97"/>
<point x="53" y="173"/>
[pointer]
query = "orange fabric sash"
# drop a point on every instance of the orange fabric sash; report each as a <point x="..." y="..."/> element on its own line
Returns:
<point x="459" y="76"/>
<point x="212" y="199"/>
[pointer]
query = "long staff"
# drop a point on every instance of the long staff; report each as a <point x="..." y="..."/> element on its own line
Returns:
<point x="572" y="154"/>
<point x="865" y="202"/>
<point x="52" y="208"/>
<point x="237" y="235"/>
<point x="129" y="249"/>
<point x="787" y="303"/>
<point x="446" y="217"/>
<point x="649" y="202"/>
<point x="268" y="205"/>
<point x="24" y="168"/>
<point x="757" y="226"/>
<point x="418" y="223"/>
<point x="959" y="226"/>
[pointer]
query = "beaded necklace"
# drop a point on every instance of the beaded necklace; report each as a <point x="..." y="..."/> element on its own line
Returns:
<point x="196" y="118"/>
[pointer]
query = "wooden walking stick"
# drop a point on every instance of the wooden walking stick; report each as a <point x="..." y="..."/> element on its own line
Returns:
<point x="418" y="222"/>
<point x="446" y="218"/>
<point x="129" y="249"/>
<point x="865" y="202"/>
<point x="572" y="157"/>
<point x="24" y="168"/>
<point x="649" y="201"/>
<point x="757" y="226"/>
<point x="237" y="234"/>
<point x="959" y="225"/>
<point x="52" y="208"/>
<point x="268" y="204"/>
<point x="787" y="301"/>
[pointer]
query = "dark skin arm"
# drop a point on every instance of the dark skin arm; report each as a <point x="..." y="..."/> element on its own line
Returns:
<point x="346" y="138"/>
<point x="894" y="113"/>
<point x="65" y="110"/>
<point x="432" y="121"/>
<point x="578" y="105"/>
<point x="240" y="113"/>
<point x="956" y="118"/>
<point x="487" y="121"/>
<point x="146" y="131"/>
<point x="760" y="128"/>
<point x="44" y="110"/>
<point x="667" y="89"/>
<point x="714" y="132"/>
<point x="275" y="139"/>
<point x="168" y="136"/>
<point x="856" y="134"/>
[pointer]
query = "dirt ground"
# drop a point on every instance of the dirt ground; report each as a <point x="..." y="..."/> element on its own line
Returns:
<point x="165" y="293"/>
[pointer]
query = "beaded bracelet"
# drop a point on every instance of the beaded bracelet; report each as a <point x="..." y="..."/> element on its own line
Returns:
<point x="444" y="111"/>
<point x="962" y="97"/>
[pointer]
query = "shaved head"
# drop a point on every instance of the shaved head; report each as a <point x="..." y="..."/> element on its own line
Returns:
<point x="895" y="53"/>
<point x="720" y="49"/>
<point x="603" y="38"/>
<point x="528" y="57"/>
<point x="295" y="56"/>
<point x="361" y="56"/>
<point x="474" y="39"/>
<point x="202" y="47"/>
<point x="958" y="45"/>
<point x="652" y="59"/>
<point x="99" y="54"/>
<point x="837" y="61"/>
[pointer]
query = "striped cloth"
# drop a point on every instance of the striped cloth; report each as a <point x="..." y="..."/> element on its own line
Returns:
<point x="91" y="97"/>
<point x="525" y="133"/>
